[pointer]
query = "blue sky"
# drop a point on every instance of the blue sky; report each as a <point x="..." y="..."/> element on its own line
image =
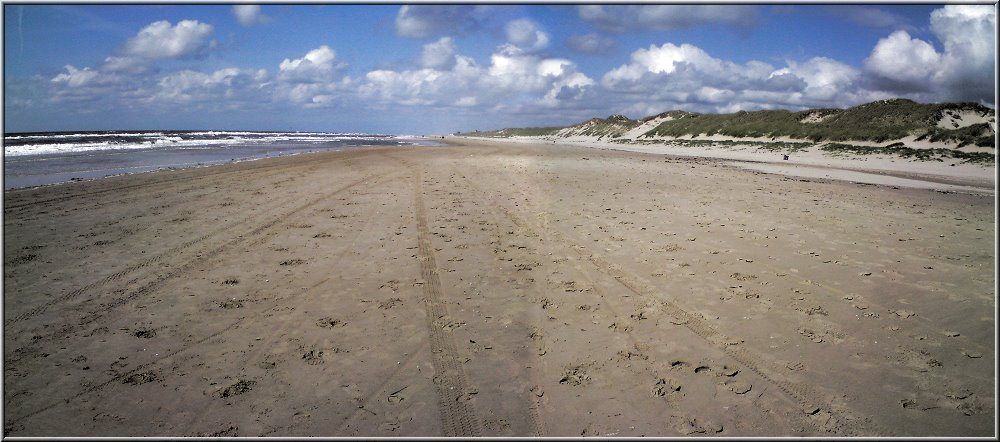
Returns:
<point x="443" y="68"/>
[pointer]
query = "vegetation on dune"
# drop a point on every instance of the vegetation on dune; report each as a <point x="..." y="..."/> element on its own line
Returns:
<point x="878" y="121"/>
<point x="831" y="130"/>
<point x="613" y="127"/>
<point x="773" y="146"/>
<point x="674" y="115"/>
<point x="899" y="150"/>
<point x="978" y="134"/>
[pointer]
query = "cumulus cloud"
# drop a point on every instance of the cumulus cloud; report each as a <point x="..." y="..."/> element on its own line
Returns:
<point x="968" y="35"/>
<point x="626" y="18"/>
<point x="77" y="77"/>
<point x="826" y="81"/>
<point x="907" y="63"/>
<point x="86" y="86"/>
<point x="439" y="54"/>
<point x="514" y="78"/>
<point x="158" y="41"/>
<point x="419" y="21"/>
<point x="161" y="40"/>
<point x="963" y="71"/>
<point x="228" y="85"/>
<point x="316" y="66"/>
<point x="248" y="15"/>
<point x="685" y="76"/>
<point x="128" y="71"/>
<point x="591" y="44"/>
<point x="663" y="59"/>
<point x="526" y="34"/>
<point x="310" y="81"/>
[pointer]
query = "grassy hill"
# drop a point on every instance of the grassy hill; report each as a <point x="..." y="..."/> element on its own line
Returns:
<point x="880" y="121"/>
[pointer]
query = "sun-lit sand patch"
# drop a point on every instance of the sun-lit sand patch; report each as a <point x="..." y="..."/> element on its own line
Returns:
<point x="954" y="119"/>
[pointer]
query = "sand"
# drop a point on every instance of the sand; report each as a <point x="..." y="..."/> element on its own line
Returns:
<point x="952" y="171"/>
<point x="488" y="289"/>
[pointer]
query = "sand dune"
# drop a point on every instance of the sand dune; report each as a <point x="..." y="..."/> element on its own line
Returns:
<point x="496" y="289"/>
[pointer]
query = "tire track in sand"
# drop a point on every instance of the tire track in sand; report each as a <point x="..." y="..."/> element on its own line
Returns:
<point x="458" y="417"/>
<point x="186" y="267"/>
<point x="841" y="419"/>
<point x="231" y="227"/>
<point x="533" y="402"/>
<point x="114" y="380"/>
<point x="250" y="318"/>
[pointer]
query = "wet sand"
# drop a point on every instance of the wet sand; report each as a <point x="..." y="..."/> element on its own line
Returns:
<point x="496" y="290"/>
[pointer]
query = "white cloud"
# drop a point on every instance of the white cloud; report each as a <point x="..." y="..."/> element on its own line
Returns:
<point x="223" y="85"/>
<point x="248" y="15"/>
<point x="905" y="60"/>
<point x="161" y="40"/>
<point x="636" y="18"/>
<point x="87" y="85"/>
<point x="128" y="75"/>
<point x="316" y="66"/>
<point x="902" y="65"/>
<point x="686" y="77"/>
<point x="567" y="88"/>
<point x="513" y="79"/>
<point x="74" y="77"/>
<point x="663" y="59"/>
<point x="827" y="81"/>
<point x="439" y="54"/>
<point x="309" y="81"/>
<point x="968" y="35"/>
<point x="526" y="34"/>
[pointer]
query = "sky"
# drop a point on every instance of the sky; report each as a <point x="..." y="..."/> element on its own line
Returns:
<point x="442" y="68"/>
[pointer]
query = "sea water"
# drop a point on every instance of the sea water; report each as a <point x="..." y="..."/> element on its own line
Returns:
<point x="33" y="159"/>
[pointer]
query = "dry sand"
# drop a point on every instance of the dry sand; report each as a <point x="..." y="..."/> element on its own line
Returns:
<point x="496" y="290"/>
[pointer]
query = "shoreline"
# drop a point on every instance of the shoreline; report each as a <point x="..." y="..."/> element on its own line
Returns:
<point x="167" y="162"/>
<point x="961" y="177"/>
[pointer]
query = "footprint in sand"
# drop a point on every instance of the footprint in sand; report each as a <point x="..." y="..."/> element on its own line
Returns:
<point x="663" y="387"/>
<point x="145" y="333"/>
<point x="231" y="304"/>
<point x="240" y="387"/>
<point x="328" y="322"/>
<point x="140" y="378"/>
<point x="448" y="324"/>
<point x="690" y="425"/>
<point x="972" y="354"/>
<point x="392" y="302"/>
<point x="739" y="387"/>
<point x="575" y="376"/>
<point x="313" y="357"/>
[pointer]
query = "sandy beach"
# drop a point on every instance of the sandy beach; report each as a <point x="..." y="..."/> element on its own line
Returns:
<point x="498" y="289"/>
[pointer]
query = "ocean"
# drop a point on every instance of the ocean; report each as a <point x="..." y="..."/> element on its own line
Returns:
<point x="34" y="159"/>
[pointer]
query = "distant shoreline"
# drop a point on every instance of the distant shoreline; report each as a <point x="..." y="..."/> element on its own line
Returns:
<point x="115" y="158"/>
